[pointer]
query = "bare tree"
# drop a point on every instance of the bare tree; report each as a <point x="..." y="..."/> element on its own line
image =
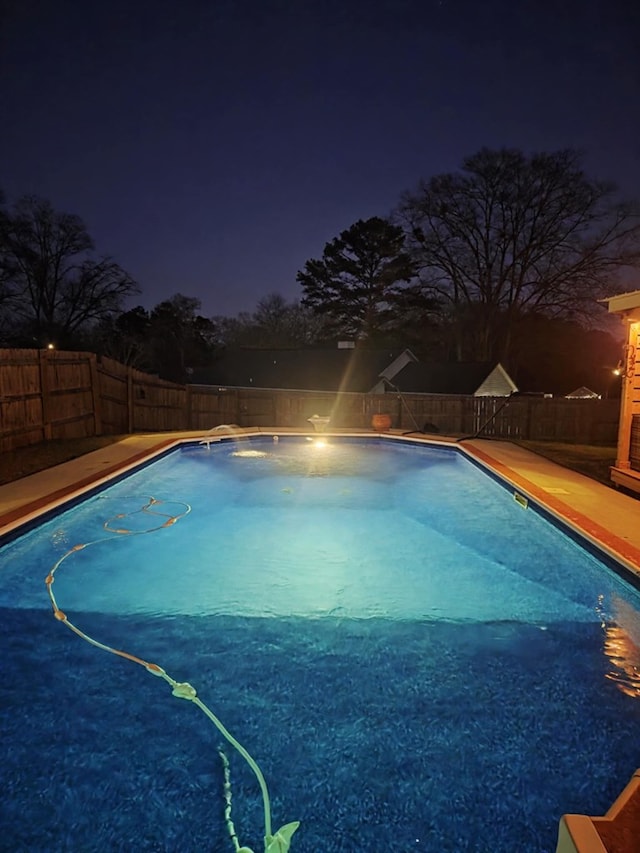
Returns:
<point x="56" y="287"/>
<point x="275" y="323"/>
<point x="512" y="235"/>
<point x="285" y="324"/>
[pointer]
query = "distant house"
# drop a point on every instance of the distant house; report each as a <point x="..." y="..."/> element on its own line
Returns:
<point x="367" y="371"/>
<point x="477" y="379"/>
<point x="583" y="393"/>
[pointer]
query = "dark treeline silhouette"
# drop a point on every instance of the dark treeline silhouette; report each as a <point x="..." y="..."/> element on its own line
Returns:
<point x="505" y="259"/>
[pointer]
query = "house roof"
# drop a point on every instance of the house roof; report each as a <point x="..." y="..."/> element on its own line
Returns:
<point x="625" y="303"/>
<point x="312" y="370"/>
<point x="454" y="378"/>
<point x="583" y="393"/>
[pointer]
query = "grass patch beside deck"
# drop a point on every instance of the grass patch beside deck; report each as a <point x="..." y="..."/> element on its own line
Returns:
<point x="591" y="460"/>
<point x="23" y="461"/>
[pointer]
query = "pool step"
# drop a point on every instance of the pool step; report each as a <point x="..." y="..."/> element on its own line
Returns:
<point x="617" y="832"/>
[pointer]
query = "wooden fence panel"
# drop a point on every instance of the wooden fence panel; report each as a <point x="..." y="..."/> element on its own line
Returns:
<point x="293" y="410"/>
<point x="21" y="421"/>
<point x="580" y="421"/>
<point x="113" y="379"/>
<point x="433" y="413"/>
<point x="209" y="407"/>
<point x="49" y="394"/>
<point x="256" y="407"/>
<point x="67" y="394"/>
<point x="345" y="410"/>
<point x="158" y="406"/>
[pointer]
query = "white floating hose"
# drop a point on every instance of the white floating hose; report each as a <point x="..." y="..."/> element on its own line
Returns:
<point x="281" y="841"/>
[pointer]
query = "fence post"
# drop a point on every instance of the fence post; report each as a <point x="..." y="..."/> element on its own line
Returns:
<point x="528" y="401"/>
<point x="129" y="400"/>
<point x="45" y="396"/>
<point x="96" y="396"/>
<point x="188" y="407"/>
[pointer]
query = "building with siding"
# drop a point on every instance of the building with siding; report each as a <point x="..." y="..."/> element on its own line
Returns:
<point x="626" y="471"/>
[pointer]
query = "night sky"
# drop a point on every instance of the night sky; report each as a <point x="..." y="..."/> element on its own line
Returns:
<point x="213" y="147"/>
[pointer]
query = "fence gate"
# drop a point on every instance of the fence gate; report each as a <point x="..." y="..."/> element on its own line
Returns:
<point x="491" y="417"/>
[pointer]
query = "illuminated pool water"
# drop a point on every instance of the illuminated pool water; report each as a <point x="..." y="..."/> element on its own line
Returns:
<point x="414" y="659"/>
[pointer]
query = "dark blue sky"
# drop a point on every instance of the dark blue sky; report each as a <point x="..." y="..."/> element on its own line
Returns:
<point x="213" y="147"/>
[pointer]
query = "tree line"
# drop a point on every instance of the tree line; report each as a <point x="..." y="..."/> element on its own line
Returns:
<point x="504" y="259"/>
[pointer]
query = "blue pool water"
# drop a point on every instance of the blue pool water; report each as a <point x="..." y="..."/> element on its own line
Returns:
<point x="415" y="661"/>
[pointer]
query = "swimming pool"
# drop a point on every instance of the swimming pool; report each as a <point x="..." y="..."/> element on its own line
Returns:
<point x="415" y="660"/>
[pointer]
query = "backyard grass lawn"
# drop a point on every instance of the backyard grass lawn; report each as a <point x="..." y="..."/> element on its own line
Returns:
<point x="592" y="461"/>
<point x="19" y="463"/>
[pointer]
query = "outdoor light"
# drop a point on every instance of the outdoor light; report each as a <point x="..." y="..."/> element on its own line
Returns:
<point x="51" y="346"/>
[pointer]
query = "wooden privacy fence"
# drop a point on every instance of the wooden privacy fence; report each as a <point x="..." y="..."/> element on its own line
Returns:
<point x="60" y="395"/>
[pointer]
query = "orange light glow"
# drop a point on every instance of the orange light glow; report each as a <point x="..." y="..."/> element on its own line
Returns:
<point x="622" y="648"/>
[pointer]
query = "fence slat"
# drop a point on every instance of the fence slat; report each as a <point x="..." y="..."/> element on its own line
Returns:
<point x="45" y="396"/>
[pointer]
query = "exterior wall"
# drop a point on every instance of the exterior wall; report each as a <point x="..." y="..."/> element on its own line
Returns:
<point x="626" y="471"/>
<point x="630" y="399"/>
<point x="632" y="394"/>
<point x="627" y="468"/>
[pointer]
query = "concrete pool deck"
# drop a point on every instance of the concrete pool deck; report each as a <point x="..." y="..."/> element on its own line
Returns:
<point x="606" y="517"/>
